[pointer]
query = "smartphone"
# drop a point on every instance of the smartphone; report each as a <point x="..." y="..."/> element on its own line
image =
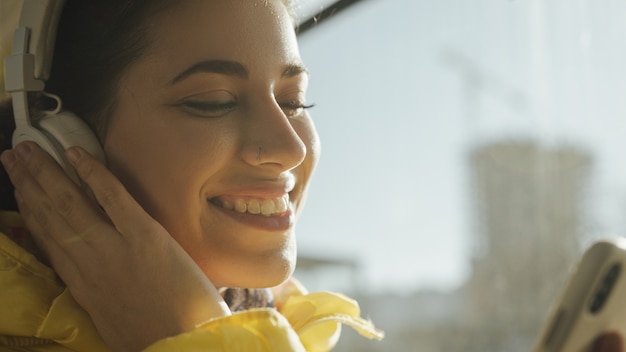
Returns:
<point x="593" y="301"/>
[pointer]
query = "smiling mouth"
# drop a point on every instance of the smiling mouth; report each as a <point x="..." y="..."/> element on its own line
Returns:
<point x="255" y="206"/>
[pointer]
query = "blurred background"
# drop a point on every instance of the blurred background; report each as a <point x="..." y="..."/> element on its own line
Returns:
<point x="470" y="151"/>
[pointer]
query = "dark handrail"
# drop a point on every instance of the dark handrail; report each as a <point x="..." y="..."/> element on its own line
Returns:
<point x="323" y="15"/>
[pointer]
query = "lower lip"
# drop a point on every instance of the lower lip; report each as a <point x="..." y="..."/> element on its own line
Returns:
<point x="276" y="223"/>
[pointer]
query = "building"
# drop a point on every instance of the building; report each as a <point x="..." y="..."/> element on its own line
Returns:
<point x="529" y="210"/>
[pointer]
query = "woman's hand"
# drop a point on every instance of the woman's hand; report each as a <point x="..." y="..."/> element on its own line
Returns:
<point x="129" y="274"/>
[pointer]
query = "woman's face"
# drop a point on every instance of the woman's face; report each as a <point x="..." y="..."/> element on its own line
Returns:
<point x="210" y="137"/>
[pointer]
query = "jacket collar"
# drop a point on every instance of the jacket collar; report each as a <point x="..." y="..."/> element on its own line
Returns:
<point x="37" y="308"/>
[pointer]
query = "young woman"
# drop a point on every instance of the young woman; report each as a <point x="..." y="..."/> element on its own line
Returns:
<point x="200" y="108"/>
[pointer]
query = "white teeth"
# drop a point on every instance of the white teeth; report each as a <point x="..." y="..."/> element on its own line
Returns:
<point x="254" y="207"/>
<point x="240" y="206"/>
<point x="266" y="207"/>
<point x="281" y="204"/>
<point x="228" y="205"/>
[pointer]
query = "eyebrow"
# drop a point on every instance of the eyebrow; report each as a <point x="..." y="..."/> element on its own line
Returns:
<point x="293" y="70"/>
<point x="232" y="68"/>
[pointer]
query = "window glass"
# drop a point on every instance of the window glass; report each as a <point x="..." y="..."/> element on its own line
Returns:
<point x="470" y="152"/>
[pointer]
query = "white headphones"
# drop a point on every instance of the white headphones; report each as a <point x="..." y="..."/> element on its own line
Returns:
<point x="26" y="70"/>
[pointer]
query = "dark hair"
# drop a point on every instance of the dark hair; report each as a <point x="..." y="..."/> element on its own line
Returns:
<point x="7" y="126"/>
<point x="96" y="41"/>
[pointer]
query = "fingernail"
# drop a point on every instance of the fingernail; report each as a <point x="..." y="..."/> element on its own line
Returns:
<point x="73" y="155"/>
<point x="608" y="342"/>
<point x="8" y="159"/>
<point x="23" y="150"/>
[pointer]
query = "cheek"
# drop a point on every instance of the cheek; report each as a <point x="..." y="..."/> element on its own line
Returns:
<point x="139" y="161"/>
<point x="164" y="160"/>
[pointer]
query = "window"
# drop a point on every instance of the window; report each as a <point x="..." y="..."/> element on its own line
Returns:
<point x="470" y="151"/>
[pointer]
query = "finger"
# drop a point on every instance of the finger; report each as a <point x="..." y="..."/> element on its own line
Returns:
<point x="53" y="252"/>
<point x="609" y="342"/>
<point x="35" y="208"/>
<point x="40" y="214"/>
<point x="121" y="208"/>
<point x="67" y="200"/>
<point x="60" y="242"/>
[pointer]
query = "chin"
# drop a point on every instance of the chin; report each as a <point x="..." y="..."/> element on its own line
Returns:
<point x="259" y="273"/>
<point x="270" y="275"/>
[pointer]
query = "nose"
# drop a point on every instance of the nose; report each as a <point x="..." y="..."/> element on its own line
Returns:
<point x="271" y="140"/>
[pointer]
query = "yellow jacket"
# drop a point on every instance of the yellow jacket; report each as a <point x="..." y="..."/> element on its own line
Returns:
<point x="38" y="314"/>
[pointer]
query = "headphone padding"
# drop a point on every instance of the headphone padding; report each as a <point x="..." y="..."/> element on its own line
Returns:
<point x="57" y="132"/>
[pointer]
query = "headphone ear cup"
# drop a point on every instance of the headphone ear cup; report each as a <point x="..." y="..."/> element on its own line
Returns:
<point x="56" y="132"/>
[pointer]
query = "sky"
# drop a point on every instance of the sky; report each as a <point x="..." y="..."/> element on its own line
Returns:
<point x="405" y="88"/>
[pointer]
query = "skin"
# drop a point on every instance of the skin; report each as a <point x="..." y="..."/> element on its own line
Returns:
<point x="173" y="157"/>
<point x="166" y="161"/>
<point x="609" y="342"/>
<point x="156" y="227"/>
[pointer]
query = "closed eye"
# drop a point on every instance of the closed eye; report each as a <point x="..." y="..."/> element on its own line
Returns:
<point x="294" y="108"/>
<point x="208" y="108"/>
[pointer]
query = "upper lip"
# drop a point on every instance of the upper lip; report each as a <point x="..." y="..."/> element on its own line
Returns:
<point x="261" y="189"/>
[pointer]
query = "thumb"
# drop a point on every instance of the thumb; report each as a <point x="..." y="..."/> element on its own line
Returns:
<point x="609" y="342"/>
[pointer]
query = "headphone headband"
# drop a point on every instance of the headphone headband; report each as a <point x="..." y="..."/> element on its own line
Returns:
<point x="33" y="45"/>
<point x="42" y="17"/>
<point x="26" y="70"/>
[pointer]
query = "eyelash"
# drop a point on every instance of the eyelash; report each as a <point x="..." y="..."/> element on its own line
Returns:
<point x="209" y="108"/>
<point x="221" y="109"/>
<point x="295" y="106"/>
